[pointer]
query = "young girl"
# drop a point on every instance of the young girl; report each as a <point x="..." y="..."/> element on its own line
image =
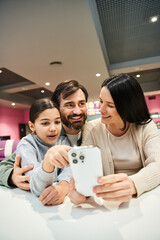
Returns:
<point x="40" y="148"/>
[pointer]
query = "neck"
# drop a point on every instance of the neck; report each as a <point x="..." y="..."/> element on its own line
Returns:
<point x="71" y="131"/>
<point x="116" y="130"/>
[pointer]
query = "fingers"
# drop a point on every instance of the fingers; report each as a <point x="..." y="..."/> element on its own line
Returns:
<point x="17" y="161"/>
<point x="113" y="178"/>
<point x="60" y="160"/>
<point x="24" y="186"/>
<point x="72" y="184"/>
<point x="23" y="169"/>
<point x="58" y="155"/>
<point x="26" y="168"/>
<point x="48" y="196"/>
<point x="117" y="187"/>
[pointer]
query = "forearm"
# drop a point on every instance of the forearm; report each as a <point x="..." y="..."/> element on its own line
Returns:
<point x="6" y="168"/>
<point x="65" y="174"/>
<point x="147" y="178"/>
<point x="40" y="180"/>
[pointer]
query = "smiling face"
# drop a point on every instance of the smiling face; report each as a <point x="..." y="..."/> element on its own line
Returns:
<point x="73" y="112"/>
<point x="109" y="114"/>
<point x="47" y="125"/>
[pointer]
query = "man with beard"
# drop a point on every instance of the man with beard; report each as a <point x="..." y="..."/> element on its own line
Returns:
<point x="70" y="97"/>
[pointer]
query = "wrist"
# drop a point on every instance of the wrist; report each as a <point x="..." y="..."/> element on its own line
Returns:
<point x="65" y="186"/>
<point x="47" y="166"/>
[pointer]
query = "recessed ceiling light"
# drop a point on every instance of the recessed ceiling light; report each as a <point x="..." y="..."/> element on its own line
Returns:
<point x="0" y="71"/>
<point x="138" y="75"/>
<point x="13" y="104"/>
<point x="153" y="19"/>
<point x="98" y="74"/>
<point x="47" y="83"/>
<point x="42" y="91"/>
<point x="55" y="63"/>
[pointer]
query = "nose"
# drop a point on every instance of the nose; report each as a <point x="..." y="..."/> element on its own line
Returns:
<point x="77" y="110"/>
<point x="102" y="108"/>
<point x="52" y="128"/>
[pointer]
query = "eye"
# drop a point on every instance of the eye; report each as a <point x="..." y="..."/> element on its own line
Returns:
<point x="111" y="106"/>
<point x="45" y="123"/>
<point x="57" y="122"/>
<point x="69" y="105"/>
<point x="81" y="104"/>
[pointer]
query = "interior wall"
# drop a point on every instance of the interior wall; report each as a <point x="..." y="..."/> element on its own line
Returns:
<point x="9" y="121"/>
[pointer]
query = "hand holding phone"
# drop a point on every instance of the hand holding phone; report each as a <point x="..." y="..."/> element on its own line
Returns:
<point x="86" y="166"/>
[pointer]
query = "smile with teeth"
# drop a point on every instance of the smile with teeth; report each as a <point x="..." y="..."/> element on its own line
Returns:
<point x="76" y="118"/>
<point x="105" y="116"/>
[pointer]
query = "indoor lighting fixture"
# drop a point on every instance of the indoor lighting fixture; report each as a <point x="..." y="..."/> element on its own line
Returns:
<point x="138" y="75"/>
<point x="47" y="83"/>
<point x="98" y="74"/>
<point x="13" y="104"/>
<point x="42" y="91"/>
<point x="0" y="71"/>
<point x="153" y="19"/>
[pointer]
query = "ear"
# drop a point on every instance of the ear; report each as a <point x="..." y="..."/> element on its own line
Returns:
<point x="31" y="126"/>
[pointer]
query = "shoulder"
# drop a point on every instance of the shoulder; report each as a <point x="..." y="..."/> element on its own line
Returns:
<point x="27" y="141"/>
<point x="94" y="124"/>
<point x="146" y="132"/>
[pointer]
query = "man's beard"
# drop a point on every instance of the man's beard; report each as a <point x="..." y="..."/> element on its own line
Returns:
<point x="74" y="125"/>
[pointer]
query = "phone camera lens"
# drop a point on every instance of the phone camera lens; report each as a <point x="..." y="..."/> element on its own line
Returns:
<point x="81" y="157"/>
<point x="73" y="154"/>
<point x="75" y="161"/>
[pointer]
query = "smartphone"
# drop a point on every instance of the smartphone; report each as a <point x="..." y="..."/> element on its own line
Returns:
<point x="86" y="166"/>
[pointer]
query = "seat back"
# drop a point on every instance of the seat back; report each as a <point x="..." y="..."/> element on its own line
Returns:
<point x="7" y="147"/>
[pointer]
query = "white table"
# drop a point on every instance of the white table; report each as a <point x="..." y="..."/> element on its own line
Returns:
<point x="23" y="217"/>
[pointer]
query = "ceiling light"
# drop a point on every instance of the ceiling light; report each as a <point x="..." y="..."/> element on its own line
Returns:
<point x="153" y="19"/>
<point x="98" y="74"/>
<point x="13" y="104"/>
<point x="42" y="91"/>
<point x="0" y="71"/>
<point x="55" y="63"/>
<point x="138" y="75"/>
<point x="47" y="83"/>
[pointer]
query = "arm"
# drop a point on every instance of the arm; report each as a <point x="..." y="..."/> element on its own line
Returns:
<point x="54" y="195"/>
<point x="44" y="175"/>
<point x="6" y="168"/>
<point x="149" y="146"/>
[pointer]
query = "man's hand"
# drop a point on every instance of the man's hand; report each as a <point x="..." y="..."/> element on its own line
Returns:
<point x="74" y="196"/>
<point x="115" y="187"/>
<point x="17" y="178"/>
<point x="54" y="195"/>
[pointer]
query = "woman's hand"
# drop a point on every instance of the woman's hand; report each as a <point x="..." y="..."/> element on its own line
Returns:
<point x="116" y="187"/>
<point x="74" y="196"/>
<point x="56" y="156"/>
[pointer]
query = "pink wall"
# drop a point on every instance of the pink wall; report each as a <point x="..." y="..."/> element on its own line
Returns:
<point x="10" y="119"/>
<point x="153" y="104"/>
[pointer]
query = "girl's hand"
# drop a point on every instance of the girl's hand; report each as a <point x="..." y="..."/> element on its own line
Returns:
<point x="116" y="187"/>
<point x="54" y="195"/>
<point x="56" y="156"/>
<point x="74" y="196"/>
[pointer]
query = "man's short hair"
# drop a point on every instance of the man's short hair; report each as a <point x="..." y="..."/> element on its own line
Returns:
<point x="65" y="89"/>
